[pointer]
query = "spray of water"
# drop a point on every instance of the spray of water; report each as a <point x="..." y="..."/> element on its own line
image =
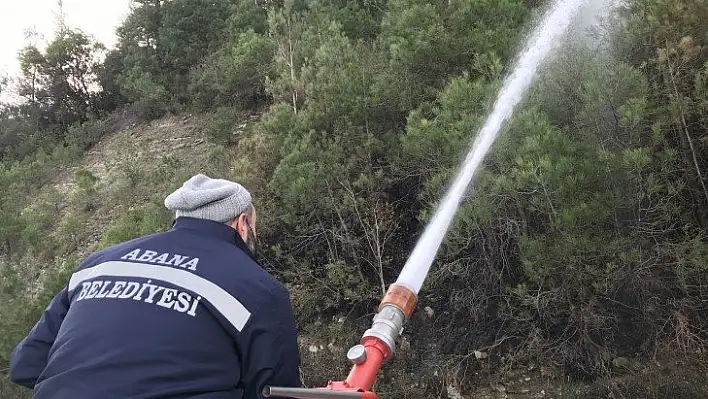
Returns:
<point x="540" y="44"/>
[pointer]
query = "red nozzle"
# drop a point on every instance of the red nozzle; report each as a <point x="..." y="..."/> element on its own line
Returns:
<point x="377" y="345"/>
<point x="358" y="383"/>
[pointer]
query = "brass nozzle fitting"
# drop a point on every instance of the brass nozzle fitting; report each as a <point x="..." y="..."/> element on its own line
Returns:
<point x="400" y="297"/>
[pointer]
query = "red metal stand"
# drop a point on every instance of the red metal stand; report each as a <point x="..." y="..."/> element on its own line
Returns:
<point x="376" y="346"/>
<point x="358" y="383"/>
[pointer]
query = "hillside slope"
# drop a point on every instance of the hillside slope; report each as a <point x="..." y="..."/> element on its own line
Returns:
<point x="112" y="193"/>
<point x="580" y="255"/>
<point x="115" y="191"/>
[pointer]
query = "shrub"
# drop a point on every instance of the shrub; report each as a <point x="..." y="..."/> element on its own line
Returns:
<point x="234" y="75"/>
<point x="86" y="180"/>
<point x="166" y="169"/>
<point x="150" y="99"/>
<point x="87" y="134"/>
<point x="222" y="125"/>
<point x="135" y="223"/>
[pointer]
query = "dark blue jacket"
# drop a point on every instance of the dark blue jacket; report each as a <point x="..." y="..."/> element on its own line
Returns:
<point x="180" y="314"/>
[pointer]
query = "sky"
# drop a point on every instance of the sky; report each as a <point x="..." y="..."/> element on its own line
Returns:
<point x="98" y="18"/>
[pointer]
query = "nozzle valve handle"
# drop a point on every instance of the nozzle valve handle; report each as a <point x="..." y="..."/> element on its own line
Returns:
<point x="357" y="354"/>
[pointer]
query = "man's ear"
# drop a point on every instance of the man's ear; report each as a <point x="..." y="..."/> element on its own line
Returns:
<point x="233" y="223"/>
<point x="240" y="224"/>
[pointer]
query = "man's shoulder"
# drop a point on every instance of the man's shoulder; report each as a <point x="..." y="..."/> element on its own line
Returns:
<point x="260" y="280"/>
<point x="250" y="281"/>
<point x="116" y="251"/>
<point x="275" y="295"/>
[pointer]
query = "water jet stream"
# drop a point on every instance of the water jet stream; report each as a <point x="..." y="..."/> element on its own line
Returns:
<point x="537" y="49"/>
<point x="378" y="343"/>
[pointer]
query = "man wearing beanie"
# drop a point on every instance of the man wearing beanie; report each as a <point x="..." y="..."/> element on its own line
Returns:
<point x="186" y="313"/>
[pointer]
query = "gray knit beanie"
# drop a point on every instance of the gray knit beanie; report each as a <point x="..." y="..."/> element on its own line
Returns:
<point x="205" y="198"/>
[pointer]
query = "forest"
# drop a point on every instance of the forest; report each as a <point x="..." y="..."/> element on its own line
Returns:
<point x="582" y="248"/>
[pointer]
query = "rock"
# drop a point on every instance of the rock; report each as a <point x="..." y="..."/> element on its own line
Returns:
<point x="405" y="344"/>
<point x="453" y="393"/>
<point x="429" y="311"/>
<point x="497" y="387"/>
<point x="621" y="362"/>
<point x="549" y="372"/>
<point x="480" y="355"/>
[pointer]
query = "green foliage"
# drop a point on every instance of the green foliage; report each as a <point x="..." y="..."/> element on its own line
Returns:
<point x="583" y="237"/>
<point x="58" y="81"/>
<point x="86" y="180"/>
<point x="11" y="285"/>
<point x="234" y="75"/>
<point x="87" y="134"/>
<point x="245" y="15"/>
<point x="108" y="76"/>
<point x="167" y="168"/>
<point x="58" y="90"/>
<point x="22" y="311"/>
<point x="173" y="54"/>
<point x="337" y="84"/>
<point x="358" y="20"/>
<point x="149" y="98"/>
<point x="135" y="223"/>
<point x="428" y="42"/>
<point x="428" y="144"/>
<point x="222" y="125"/>
<point x="36" y="221"/>
<point x="188" y="30"/>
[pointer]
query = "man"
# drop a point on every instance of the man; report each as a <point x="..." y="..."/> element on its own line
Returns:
<point x="186" y="313"/>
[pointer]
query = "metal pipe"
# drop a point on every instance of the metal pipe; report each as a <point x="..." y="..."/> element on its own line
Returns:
<point x="387" y="326"/>
<point x="379" y="341"/>
<point x="309" y="393"/>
